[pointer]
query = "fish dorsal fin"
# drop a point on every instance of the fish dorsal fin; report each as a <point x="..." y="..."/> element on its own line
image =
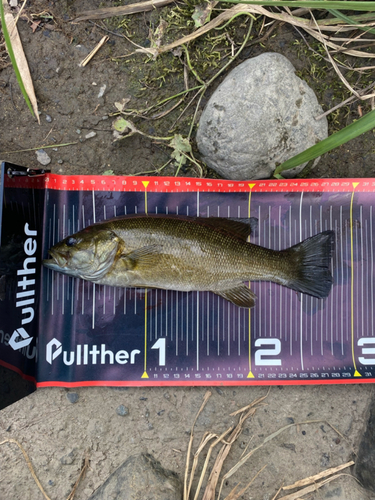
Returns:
<point x="242" y="228"/>
<point x="147" y="255"/>
<point x="239" y="295"/>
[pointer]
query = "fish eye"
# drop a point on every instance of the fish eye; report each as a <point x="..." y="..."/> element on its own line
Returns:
<point x="71" y="241"/>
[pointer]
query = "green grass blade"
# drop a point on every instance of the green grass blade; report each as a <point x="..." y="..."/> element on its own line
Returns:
<point x="348" y="133"/>
<point x="317" y="4"/>
<point x="349" y="20"/>
<point x="12" y="57"/>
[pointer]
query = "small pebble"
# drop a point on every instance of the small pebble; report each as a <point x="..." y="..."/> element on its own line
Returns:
<point x="122" y="410"/>
<point x="173" y="416"/>
<point x="90" y="135"/>
<point x="68" y="459"/>
<point x="325" y="460"/>
<point x="101" y="91"/>
<point x="60" y="162"/>
<point x="48" y="118"/>
<point x="72" y="397"/>
<point x="78" y="131"/>
<point x="42" y="157"/>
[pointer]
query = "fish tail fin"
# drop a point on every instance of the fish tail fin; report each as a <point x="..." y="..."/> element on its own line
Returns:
<point x="312" y="258"/>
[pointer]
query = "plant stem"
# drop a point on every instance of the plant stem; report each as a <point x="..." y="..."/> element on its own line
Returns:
<point x="360" y="126"/>
<point x="315" y="4"/>
<point x="40" y="147"/>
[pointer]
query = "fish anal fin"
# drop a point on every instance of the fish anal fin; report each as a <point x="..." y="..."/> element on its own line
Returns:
<point x="241" y="228"/>
<point x="239" y="295"/>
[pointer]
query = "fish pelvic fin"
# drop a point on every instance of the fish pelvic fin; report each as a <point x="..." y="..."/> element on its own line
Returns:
<point x="312" y="258"/>
<point x="240" y="295"/>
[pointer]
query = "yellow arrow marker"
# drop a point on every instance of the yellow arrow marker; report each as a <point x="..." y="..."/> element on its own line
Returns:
<point x="250" y="374"/>
<point x="145" y="184"/>
<point x="356" y="372"/>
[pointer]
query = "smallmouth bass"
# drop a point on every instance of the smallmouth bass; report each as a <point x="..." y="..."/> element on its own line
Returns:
<point x="191" y="254"/>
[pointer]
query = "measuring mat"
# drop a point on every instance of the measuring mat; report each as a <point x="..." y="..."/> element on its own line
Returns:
<point x="63" y="331"/>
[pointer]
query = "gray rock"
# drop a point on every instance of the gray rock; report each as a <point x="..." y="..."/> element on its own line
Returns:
<point x="140" y="477"/>
<point x="261" y="115"/>
<point x="73" y="397"/>
<point x="364" y="467"/>
<point x="68" y="459"/>
<point x="42" y="157"/>
<point x="90" y="135"/>
<point x="122" y="410"/>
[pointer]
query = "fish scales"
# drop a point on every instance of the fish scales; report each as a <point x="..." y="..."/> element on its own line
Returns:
<point x="187" y="254"/>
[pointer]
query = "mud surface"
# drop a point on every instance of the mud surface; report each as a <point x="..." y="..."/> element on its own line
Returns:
<point x="56" y="432"/>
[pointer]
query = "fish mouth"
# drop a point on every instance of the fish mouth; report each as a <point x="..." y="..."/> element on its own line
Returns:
<point x="57" y="262"/>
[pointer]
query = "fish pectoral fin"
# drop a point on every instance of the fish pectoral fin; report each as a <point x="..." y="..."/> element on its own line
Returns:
<point x="239" y="295"/>
<point x="147" y="255"/>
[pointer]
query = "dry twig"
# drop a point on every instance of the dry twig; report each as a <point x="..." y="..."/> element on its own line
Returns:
<point x="121" y="11"/>
<point x="38" y="483"/>
<point x="88" y="58"/>
<point x="309" y="489"/>
<point x="28" y="462"/>
<point x="317" y="477"/>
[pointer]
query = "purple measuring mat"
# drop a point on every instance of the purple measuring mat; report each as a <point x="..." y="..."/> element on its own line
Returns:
<point x="98" y="335"/>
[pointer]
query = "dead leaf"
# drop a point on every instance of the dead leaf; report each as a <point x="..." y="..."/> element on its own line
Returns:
<point x="180" y="146"/>
<point x="157" y="36"/>
<point x="121" y="105"/>
<point x="35" y="25"/>
<point x="202" y="13"/>
<point x="22" y="64"/>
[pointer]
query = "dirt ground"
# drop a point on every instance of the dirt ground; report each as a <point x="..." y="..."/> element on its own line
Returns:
<point x="56" y="433"/>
